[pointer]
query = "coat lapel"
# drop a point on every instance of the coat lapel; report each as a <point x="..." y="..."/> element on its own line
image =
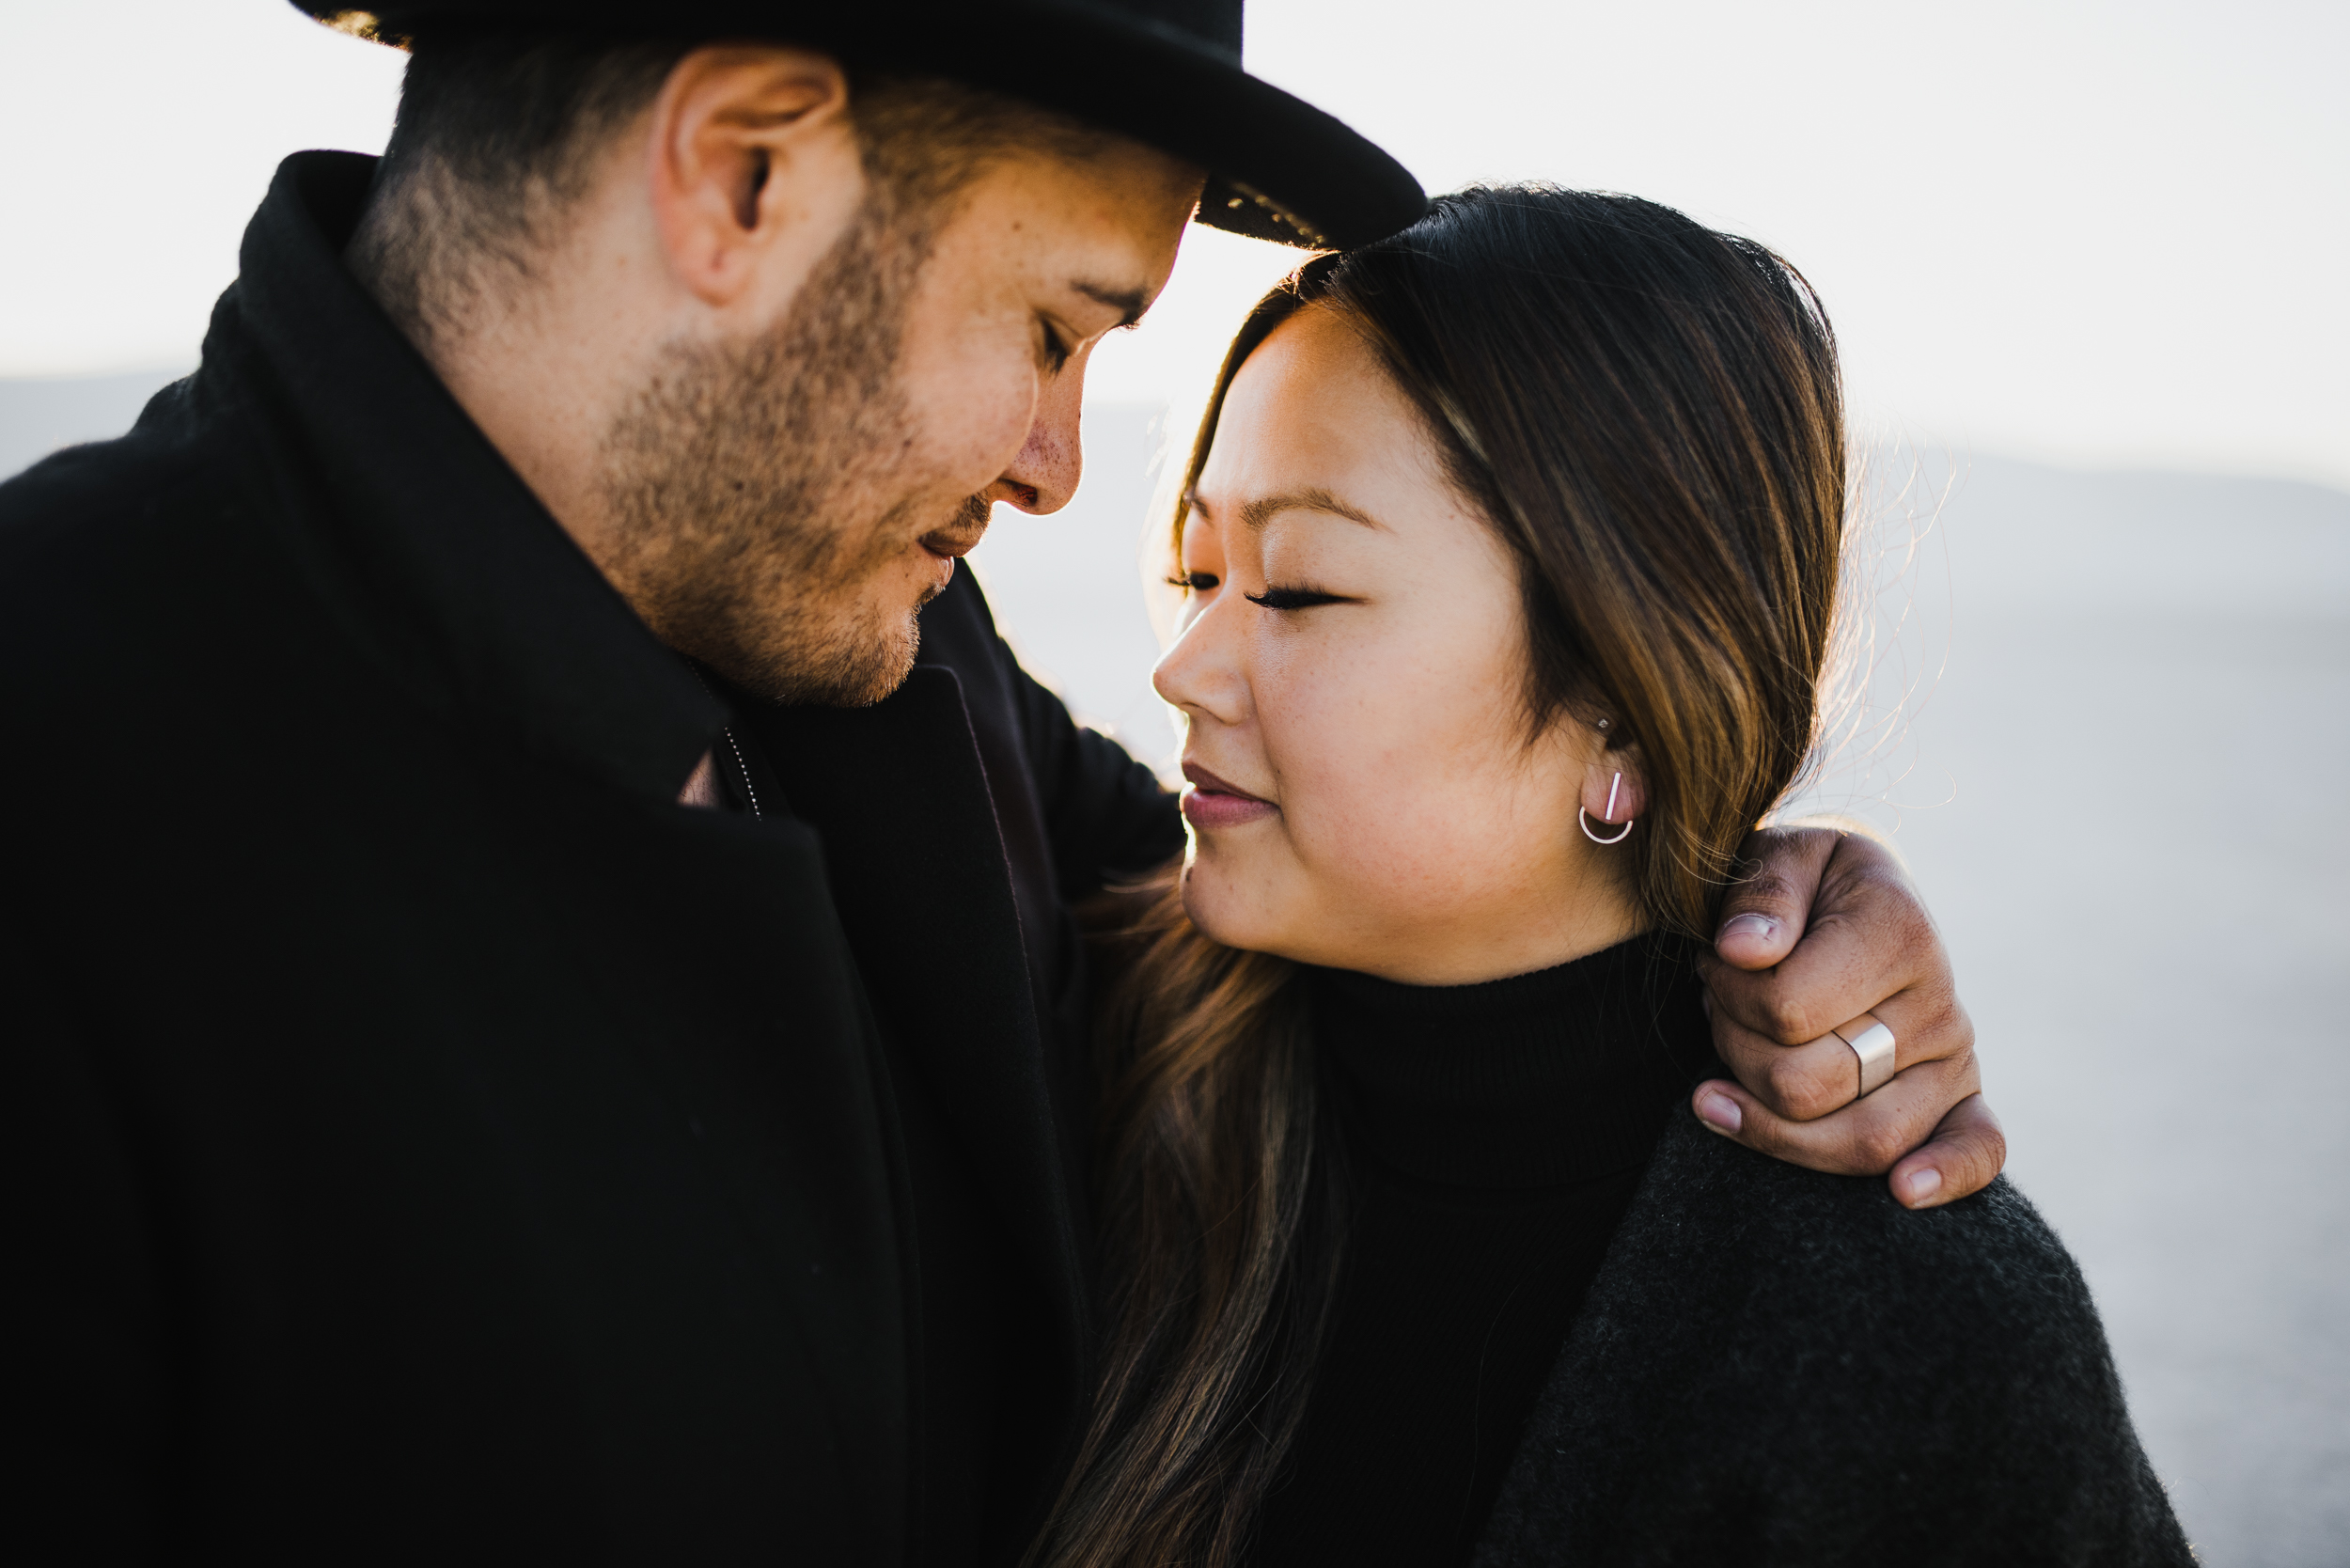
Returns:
<point x="919" y="875"/>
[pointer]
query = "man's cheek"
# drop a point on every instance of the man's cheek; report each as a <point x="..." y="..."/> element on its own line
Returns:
<point x="976" y="408"/>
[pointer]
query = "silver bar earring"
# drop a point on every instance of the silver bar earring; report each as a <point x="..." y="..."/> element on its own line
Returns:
<point x="1608" y="812"/>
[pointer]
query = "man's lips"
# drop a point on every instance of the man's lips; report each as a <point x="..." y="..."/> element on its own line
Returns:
<point x="946" y="547"/>
<point x="953" y="542"/>
<point x="962" y="535"/>
<point x="1212" y="803"/>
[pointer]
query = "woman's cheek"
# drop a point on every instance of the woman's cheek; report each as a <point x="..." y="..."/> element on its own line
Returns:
<point x="1392" y="821"/>
<point x="1380" y="846"/>
<point x="1351" y="808"/>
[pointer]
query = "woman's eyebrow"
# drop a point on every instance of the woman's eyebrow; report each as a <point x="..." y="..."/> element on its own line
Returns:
<point x="1257" y="513"/>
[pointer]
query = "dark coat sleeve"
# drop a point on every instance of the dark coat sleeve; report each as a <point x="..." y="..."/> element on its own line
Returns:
<point x="1109" y="816"/>
<point x="1780" y="1367"/>
<point x="1105" y="816"/>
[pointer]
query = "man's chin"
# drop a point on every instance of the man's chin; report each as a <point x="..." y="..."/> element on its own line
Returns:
<point x="853" y="668"/>
<point x="877" y="680"/>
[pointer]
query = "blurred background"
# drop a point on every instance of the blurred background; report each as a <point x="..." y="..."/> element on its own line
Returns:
<point x="2087" y="263"/>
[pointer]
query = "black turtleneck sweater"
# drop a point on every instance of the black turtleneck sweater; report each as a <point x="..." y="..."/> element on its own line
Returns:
<point x="1492" y="1136"/>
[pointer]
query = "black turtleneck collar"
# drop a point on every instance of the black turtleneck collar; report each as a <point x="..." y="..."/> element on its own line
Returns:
<point x="1538" y="1080"/>
<point x="428" y="548"/>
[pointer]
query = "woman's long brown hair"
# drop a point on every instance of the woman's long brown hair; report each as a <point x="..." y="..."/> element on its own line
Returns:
<point x="1649" y="415"/>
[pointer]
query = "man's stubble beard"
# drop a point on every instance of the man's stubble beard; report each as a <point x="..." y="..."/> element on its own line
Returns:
<point x="746" y="478"/>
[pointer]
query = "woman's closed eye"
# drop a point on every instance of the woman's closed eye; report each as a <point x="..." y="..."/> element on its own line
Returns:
<point x="1275" y="598"/>
<point x="1194" y="582"/>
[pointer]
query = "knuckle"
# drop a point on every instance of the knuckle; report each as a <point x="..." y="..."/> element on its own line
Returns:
<point x="1938" y="1008"/>
<point x="1786" y="1020"/>
<point x="1871" y="879"/>
<point x="1860" y="849"/>
<point x="1906" y="916"/>
<point x="1947" y="1034"/>
<point x="1897" y="913"/>
<point x="1983" y="1150"/>
<point x="1938" y="1034"/>
<point x="1877" y="1145"/>
<point x="1959" y="1062"/>
<point x="1809" y="839"/>
<point x="1797" y="1092"/>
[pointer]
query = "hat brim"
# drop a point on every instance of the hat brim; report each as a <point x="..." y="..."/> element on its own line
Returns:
<point x="1278" y="168"/>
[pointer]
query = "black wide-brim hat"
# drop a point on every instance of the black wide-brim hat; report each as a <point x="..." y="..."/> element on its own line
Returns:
<point x="1165" y="72"/>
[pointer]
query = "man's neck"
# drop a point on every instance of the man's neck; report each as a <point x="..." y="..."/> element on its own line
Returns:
<point x="534" y="353"/>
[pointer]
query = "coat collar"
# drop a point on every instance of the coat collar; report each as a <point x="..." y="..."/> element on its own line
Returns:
<point x="424" y="541"/>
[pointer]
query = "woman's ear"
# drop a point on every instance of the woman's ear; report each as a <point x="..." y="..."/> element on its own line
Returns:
<point x="754" y="161"/>
<point x="1612" y="791"/>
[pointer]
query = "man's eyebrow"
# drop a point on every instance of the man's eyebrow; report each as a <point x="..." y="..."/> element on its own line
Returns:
<point x="1129" y="302"/>
<point x="1257" y="513"/>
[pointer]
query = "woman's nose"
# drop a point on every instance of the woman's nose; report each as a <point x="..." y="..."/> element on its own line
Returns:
<point x="1200" y="672"/>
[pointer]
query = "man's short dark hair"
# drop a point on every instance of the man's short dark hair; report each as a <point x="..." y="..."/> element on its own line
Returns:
<point x="497" y="137"/>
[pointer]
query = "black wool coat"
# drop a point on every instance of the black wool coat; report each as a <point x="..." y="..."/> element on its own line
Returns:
<point x="1778" y="1367"/>
<point x="422" y="1133"/>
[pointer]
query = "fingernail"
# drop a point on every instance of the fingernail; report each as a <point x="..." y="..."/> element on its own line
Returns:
<point x="1920" y="1184"/>
<point x="1720" y="1112"/>
<point x="1761" y="927"/>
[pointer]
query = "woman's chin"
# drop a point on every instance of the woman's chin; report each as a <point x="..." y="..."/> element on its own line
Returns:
<point x="1237" y="912"/>
<point x="1221" y="909"/>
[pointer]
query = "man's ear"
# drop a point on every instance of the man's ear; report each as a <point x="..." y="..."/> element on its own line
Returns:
<point x="755" y="168"/>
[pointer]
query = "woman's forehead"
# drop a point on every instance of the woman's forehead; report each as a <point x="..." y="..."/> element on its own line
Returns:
<point x="1314" y="409"/>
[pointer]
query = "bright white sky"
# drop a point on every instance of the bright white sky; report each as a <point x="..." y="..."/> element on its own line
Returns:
<point x="2093" y="233"/>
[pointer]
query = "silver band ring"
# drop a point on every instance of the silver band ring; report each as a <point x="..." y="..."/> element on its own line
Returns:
<point x="1873" y="1042"/>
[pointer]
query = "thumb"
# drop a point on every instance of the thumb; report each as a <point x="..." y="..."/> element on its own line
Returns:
<point x="1764" y="911"/>
<point x="1965" y="1154"/>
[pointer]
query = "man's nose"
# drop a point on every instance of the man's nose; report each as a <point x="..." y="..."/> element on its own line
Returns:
<point x="1045" y="475"/>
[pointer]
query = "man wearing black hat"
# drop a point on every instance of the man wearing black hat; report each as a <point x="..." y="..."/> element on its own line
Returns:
<point x="540" y="971"/>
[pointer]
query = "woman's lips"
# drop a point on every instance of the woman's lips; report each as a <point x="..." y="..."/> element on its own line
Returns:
<point x="1211" y="803"/>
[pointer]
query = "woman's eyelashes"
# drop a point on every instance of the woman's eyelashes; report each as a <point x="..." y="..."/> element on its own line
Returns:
<point x="1292" y="598"/>
<point x="1273" y="598"/>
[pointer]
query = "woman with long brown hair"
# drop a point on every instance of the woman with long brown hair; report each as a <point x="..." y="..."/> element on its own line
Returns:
<point x="1509" y="548"/>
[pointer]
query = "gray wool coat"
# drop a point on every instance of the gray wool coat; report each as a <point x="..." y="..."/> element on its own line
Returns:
<point x="1775" y="1366"/>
